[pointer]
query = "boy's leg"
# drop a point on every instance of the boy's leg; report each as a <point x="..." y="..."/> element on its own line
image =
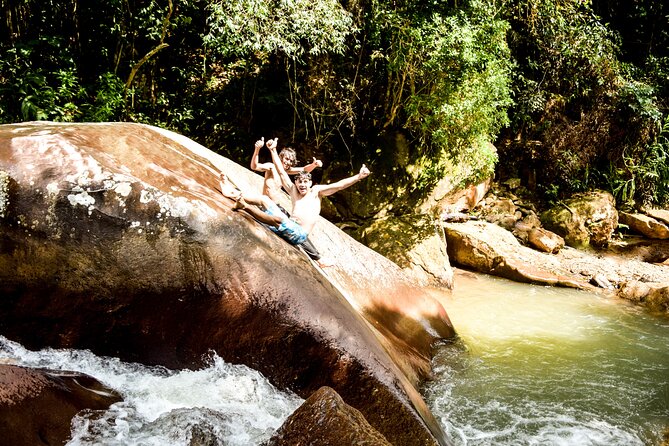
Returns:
<point x="258" y="214"/>
<point x="313" y="253"/>
<point x="231" y="191"/>
<point x="310" y="249"/>
<point x="228" y="189"/>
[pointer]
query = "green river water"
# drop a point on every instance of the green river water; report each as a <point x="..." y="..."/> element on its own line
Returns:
<point x="540" y="365"/>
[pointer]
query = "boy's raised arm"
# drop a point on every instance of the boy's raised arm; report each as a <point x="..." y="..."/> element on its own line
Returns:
<point x="329" y="189"/>
<point x="307" y="168"/>
<point x="312" y="165"/>
<point x="278" y="165"/>
<point x="255" y="165"/>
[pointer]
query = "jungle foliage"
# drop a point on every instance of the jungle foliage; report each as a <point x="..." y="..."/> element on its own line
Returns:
<point x="572" y="94"/>
<point x="590" y="97"/>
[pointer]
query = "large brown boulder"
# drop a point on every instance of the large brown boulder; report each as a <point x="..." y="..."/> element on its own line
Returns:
<point x="645" y="225"/>
<point x="416" y="243"/>
<point x="584" y="219"/>
<point x="115" y="238"/>
<point x="544" y="240"/>
<point x="324" y="419"/>
<point x="37" y="405"/>
<point x="654" y="296"/>
<point x="491" y="249"/>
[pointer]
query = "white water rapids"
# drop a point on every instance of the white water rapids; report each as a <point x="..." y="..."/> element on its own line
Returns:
<point x="222" y="404"/>
<point x="532" y="366"/>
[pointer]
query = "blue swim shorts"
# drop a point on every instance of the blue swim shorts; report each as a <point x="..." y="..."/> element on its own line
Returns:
<point x="289" y="229"/>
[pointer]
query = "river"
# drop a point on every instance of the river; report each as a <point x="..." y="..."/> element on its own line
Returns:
<point x="532" y="366"/>
<point x="538" y="365"/>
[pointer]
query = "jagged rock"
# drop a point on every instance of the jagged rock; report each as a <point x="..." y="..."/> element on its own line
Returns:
<point x="642" y="249"/>
<point x="522" y="228"/>
<point x="37" y="405"/>
<point x="513" y="183"/>
<point x="115" y="238"/>
<point x="324" y="419"/>
<point x="643" y="224"/>
<point x="457" y="217"/>
<point x="192" y="428"/>
<point x="585" y="219"/>
<point x="500" y="208"/>
<point x="655" y="296"/>
<point x="450" y="199"/>
<point x="544" y="240"/>
<point x="490" y="249"/>
<point x="601" y="281"/>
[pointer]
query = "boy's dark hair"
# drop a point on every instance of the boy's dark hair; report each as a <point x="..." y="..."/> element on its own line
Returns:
<point x="303" y="174"/>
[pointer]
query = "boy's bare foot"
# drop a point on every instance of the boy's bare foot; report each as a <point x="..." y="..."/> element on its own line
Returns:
<point x="228" y="189"/>
<point x="239" y="204"/>
<point x="324" y="262"/>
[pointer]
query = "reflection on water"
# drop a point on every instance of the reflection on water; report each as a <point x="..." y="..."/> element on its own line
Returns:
<point x="550" y="366"/>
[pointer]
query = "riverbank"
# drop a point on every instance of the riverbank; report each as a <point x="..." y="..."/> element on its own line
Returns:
<point x="493" y="238"/>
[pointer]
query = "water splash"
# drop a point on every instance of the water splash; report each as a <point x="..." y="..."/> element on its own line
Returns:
<point x="220" y="404"/>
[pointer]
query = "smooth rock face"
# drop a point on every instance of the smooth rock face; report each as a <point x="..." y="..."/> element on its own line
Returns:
<point x="37" y="405"/>
<point x="325" y="419"/>
<point x="115" y="238"/>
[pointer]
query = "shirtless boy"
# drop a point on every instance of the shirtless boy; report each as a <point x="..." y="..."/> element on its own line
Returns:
<point x="306" y="200"/>
<point x="263" y="209"/>
<point x="272" y="184"/>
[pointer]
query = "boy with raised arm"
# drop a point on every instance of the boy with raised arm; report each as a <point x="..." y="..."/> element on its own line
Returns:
<point x="263" y="209"/>
<point x="306" y="198"/>
<point x="272" y="184"/>
<point x="306" y="201"/>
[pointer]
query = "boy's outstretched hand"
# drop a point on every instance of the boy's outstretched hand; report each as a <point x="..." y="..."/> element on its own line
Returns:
<point x="272" y="143"/>
<point x="364" y="172"/>
<point x="260" y="143"/>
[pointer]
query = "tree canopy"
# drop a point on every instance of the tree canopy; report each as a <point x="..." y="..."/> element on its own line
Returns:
<point x="572" y="93"/>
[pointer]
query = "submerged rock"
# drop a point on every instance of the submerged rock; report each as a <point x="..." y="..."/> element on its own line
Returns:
<point x="37" y="405"/>
<point x="325" y="419"/>
<point x="115" y="238"/>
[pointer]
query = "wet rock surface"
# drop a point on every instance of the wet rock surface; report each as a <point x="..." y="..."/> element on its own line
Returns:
<point x="37" y="405"/>
<point x="325" y="419"/>
<point x="115" y="238"/>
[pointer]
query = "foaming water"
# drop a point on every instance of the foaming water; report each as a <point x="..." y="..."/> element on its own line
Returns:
<point x="550" y="366"/>
<point x="221" y="404"/>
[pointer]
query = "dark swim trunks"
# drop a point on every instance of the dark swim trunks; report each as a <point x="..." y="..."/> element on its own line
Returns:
<point x="307" y="246"/>
<point x="310" y="249"/>
<point x="288" y="229"/>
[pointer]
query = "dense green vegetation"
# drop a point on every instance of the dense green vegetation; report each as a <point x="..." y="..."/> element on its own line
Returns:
<point x="572" y="92"/>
